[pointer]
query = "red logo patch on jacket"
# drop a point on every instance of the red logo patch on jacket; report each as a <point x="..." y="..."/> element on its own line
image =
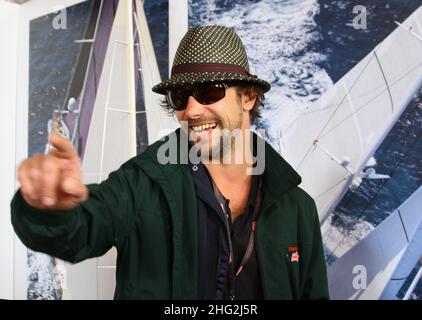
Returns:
<point x="295" y="257"/>
<point x="293" y="253"/>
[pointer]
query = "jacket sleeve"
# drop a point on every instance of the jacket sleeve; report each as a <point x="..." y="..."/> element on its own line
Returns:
<point x="316" y="283"/>
<point x="88" y="230"/>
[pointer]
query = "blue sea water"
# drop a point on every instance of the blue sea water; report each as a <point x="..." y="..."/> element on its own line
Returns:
<point x="157" y="15"/>
<point x="52" y="54"/>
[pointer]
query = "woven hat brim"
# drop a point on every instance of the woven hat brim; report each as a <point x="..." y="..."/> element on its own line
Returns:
<point x="179" y="80"/>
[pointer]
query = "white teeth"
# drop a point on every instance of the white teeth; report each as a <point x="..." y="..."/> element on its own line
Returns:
<point x="204" y="126"/>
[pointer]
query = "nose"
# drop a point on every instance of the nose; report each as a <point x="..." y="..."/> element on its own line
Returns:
<point x="193" y="109"/>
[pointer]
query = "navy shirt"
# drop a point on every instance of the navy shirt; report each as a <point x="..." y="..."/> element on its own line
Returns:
<point x="214" y="244"/>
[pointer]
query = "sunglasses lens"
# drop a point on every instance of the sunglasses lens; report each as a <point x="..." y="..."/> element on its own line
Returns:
<point x="178" y="98"/>
<point x="209" y="93"/>
<point x="204" y="94"/>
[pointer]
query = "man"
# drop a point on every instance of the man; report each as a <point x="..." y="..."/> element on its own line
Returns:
<point x="206" y="229"/>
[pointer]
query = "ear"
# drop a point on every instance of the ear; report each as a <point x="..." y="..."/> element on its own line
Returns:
<point x="248" y="99"/>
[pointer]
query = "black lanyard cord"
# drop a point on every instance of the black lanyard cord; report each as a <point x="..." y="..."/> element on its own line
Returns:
<point x="249" y="249"/>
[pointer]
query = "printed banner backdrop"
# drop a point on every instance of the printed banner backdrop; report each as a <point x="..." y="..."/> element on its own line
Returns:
<point x="303" y="48"/>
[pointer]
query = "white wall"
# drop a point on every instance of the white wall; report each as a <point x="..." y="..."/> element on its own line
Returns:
<point x="9" y="18"/>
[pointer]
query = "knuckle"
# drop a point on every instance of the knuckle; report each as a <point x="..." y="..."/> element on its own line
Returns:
<point x="29" y="194"/>
<point x="48" y="164"/>
<point x="34" y="173"/>
<point x="47" y="186"/>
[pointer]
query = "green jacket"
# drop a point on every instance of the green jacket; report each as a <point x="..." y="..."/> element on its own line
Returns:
<point x="148" y="212"/>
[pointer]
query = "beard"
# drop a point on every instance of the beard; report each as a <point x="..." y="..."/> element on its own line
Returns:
<point x="218" y="147"/>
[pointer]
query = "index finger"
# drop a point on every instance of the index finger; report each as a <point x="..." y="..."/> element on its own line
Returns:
<point x="63" y="147"/>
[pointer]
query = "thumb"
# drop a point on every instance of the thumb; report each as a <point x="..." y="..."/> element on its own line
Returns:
<point x="74" y="186"/>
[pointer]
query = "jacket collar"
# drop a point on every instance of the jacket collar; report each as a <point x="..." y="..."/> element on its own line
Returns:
<point x="278" y="176"/>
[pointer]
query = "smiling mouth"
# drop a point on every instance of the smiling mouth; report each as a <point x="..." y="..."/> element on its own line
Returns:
<point x="205" y="127"/>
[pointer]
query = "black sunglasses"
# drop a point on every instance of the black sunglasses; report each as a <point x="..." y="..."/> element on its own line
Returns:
<point x="207" y="93"/>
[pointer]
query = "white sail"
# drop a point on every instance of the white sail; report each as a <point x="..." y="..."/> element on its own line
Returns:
<point x="157" y="118"/>
<point x="330" y="144"/>
<point x="365" y="271"/>
<point x="111" y="141"/>
<point x="416" y="280"/>
<point x="403" y="272"/>
<point x="111" y="137"/>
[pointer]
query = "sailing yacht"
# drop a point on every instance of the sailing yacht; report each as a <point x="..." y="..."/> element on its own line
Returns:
<point x="117" y="64"/>
<point x="340" y="137"/>
<point x="374" y="268"/>
<point x="341" y="133"/>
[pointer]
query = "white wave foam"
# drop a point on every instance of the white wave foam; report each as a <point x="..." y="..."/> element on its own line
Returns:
<point x="338" y="240"/>
<point x="278" y="36"/>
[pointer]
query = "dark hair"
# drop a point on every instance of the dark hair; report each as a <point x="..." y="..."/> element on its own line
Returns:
<point x="166" y="105"/>
<point x="258" y="92"/>
<point x="241" y="87"/>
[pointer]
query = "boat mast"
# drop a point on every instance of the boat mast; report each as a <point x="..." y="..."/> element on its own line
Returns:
<point x="131" y="78"/>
